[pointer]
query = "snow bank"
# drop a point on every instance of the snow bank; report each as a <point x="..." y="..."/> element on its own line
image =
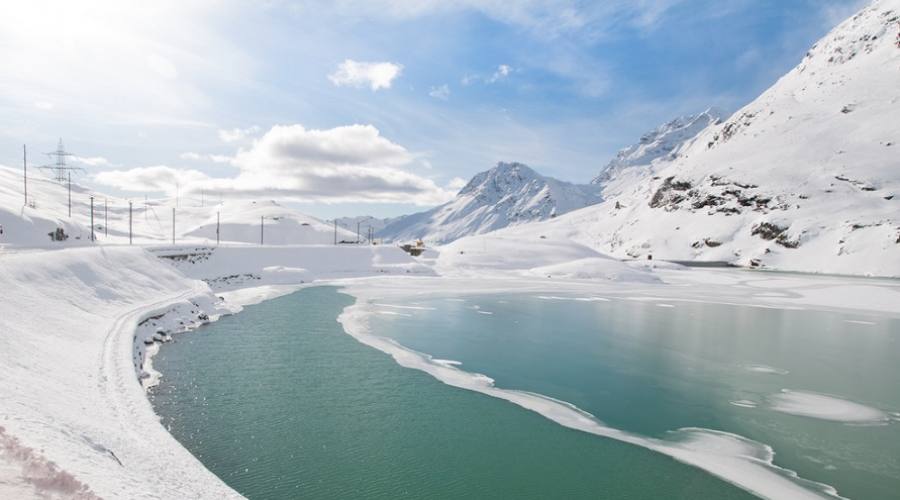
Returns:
<point x="70" y="392"/>
<point x="592" y="268"/>
<point x="229" y="268"/>
<point x="527" y="252"/>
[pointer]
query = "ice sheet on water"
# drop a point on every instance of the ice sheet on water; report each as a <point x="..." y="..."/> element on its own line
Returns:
<point x="745" y="463"/>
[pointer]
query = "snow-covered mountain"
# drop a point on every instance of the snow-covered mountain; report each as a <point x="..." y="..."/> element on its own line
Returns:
<point x="806" y="177"/>
<point x="660" y="144"/>
<point x="506" y="195"/>
<point x="30" y="225"/>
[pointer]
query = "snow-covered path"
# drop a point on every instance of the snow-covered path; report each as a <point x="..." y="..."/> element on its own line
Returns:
<point x="75" y="421"/>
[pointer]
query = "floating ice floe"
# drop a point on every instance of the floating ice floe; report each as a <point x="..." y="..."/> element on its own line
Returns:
<point x="824" y="407"/>
<point x="416" y="308"/>
<point x="859" y="322"/>
<point x="394" y="313"/>
<point x="771" y="370"/>
<point x="575" y="299"/>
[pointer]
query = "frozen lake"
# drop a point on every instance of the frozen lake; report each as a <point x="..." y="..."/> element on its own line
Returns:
<point x="280" y="402"/>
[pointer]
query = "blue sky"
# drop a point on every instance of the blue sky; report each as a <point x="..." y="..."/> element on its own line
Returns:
<point x="381" y="107"/>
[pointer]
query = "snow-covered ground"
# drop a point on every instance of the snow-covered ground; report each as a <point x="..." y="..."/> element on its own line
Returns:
<point x="28" y="226"/>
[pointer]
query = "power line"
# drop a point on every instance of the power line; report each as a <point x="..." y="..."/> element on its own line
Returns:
<point x="59" y="168"/>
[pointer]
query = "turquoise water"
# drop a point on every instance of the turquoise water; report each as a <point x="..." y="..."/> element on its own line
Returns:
<point x="649" y="368"/>
<point x="280" y="403"/>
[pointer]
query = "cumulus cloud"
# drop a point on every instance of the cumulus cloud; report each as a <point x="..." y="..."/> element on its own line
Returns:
<point x="441" y="92"/>
<point x="353" y="163"/>
<point x="375" y="75"/>
<point x="238" y="134"/>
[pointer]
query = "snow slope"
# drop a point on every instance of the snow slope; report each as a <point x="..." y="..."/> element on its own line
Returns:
<point x="506" y="195"/>
<point x="661" y="144"/>
<point x="75" y="422"/>
<point x="364" y="222"/>
<point x="806" y="177"/>
<point x="27" y="226"/>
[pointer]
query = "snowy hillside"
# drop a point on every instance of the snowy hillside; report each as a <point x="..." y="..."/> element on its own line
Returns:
<point x="660" y="144"/>
<point x="806" y="177"/>
<point x="506" y="195"/>
<point x="363" y="222"/>
<point x="47" y="209"/>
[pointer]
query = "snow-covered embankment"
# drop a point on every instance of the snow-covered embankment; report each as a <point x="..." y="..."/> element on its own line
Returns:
<point x="75" y="420"/>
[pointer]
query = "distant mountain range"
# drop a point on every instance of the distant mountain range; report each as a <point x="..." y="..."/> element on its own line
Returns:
<point x="506" y="195"/>
<point x="806" y="177"/>
<point x="511" y="194"/>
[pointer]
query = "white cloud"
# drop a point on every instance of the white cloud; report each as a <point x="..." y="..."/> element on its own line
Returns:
<point x="546" y="18"/>
<point x="43" y="105"/>
<point x="238" y="134"/>
<point x="162" y="66"/>
<point x="501" y="73"/>
<point x="352" y="163"/>
<point x="375" y="75"/>
<point x="214" y="158"/>
<point x="92" y="161"/>
<point x="441" y="92"/>
<point x="160" y="179"/>
<point x="456" y="184"/>
<point x="123" y="62"/>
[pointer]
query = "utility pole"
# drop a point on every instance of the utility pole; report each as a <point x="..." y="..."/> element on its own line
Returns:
<point x="105" y="217"/>
<point x="25" y="171"/>
<point x="173" y="226"/>
<point x="129" y="222"/>
<point x="217" y="228"/>
<point x="261" y="226"/>
<point x="357" y="231"/>
<point x="335" y="231"/>
<point x="70" y="195"/>
<point x="92" y="219"/>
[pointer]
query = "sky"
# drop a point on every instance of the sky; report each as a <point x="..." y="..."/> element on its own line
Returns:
<point x="380" y="107"/>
